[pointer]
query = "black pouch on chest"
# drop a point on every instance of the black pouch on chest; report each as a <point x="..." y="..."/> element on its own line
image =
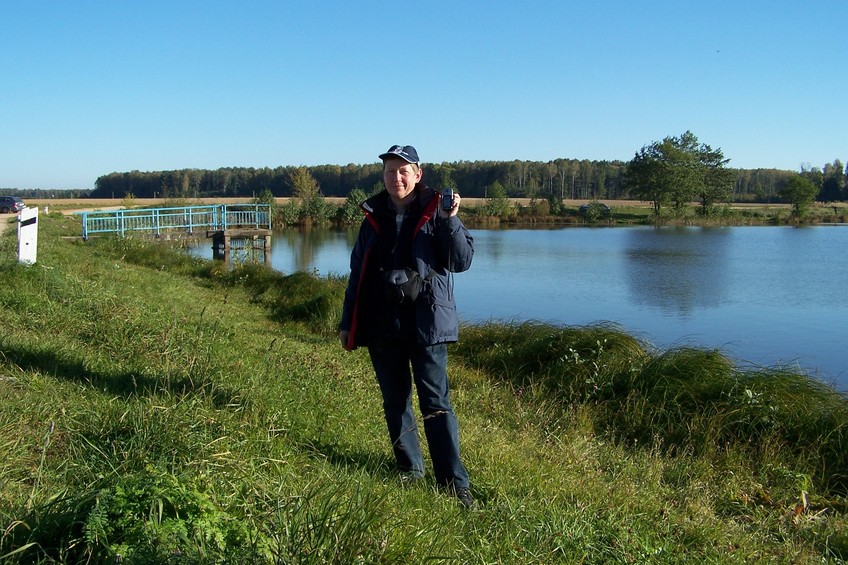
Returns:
<point x="402" y="285"/>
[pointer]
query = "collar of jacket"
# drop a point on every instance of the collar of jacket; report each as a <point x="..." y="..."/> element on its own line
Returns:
<point x="380" y="205"/>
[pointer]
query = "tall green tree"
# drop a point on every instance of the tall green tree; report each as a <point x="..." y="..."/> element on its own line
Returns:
<point x="497" y="203"/>
<point x="313" y="207"/>
<point x="678" y="170"/>
<point x="716" y="183"/>
<point x="303" y="184"/>
<point x="647" y="177"/>
<point x="801" y="192"/>
<point x="684" y="159"/>
<point x="812" y="174"/>
<point x="351" y="211"/>
<point x="833" y="182"/>
<point x="439" y="176"/>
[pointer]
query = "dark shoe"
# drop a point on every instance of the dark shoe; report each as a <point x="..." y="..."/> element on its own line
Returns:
<point x="465" y="498"/>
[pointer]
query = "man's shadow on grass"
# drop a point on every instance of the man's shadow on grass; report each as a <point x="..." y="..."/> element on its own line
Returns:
<point x="378" y="465"/>
<point x="126" y="385"/>
<point x="130" y="384"/>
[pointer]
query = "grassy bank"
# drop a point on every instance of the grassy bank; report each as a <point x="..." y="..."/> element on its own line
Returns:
<point x="169" y="409"/>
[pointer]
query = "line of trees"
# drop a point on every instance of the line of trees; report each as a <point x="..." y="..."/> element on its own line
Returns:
<point x="45" y="193"/>
<point x="563" y="178"/>
<point x="560" y="178"/>
<point x="568" y="178"/>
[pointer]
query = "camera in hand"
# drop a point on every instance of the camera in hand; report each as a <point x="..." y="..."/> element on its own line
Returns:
<point x="447" y="199"/>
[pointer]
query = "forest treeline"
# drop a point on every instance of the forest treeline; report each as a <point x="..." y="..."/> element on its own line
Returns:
<point x="566" y="178"/>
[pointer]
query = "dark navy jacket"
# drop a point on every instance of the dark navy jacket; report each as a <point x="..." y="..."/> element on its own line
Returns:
<point x="439" y="247"/>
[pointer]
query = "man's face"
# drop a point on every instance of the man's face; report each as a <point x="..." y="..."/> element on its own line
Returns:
<point x="400" y="179"/>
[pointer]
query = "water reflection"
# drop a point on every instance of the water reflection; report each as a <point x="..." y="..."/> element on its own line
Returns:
<point x="303" y="246"/>
<point x="768" y="295"/>
<point x="312" y="250"/>
<point x="496" y="244"/>
<point x="678" y="270"/>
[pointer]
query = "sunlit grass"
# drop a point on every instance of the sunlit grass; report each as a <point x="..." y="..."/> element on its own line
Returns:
<point x="169" y="409"/>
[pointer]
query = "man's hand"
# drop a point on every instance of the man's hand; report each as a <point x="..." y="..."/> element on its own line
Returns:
<point x="454" y="209"/>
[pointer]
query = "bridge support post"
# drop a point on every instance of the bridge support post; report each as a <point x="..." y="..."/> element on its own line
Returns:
<point x="225" y="241"/>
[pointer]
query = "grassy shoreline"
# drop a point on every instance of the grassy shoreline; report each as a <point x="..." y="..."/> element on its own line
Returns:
<point x="165" y="408"/>
<point x="524" y="211"/>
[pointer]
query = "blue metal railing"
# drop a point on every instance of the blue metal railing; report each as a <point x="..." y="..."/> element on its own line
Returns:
<point x="188" y="218"/>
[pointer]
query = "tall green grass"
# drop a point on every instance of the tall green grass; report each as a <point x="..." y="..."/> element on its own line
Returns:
<point x="686" y="399"/>
<point x="159" y="408"/>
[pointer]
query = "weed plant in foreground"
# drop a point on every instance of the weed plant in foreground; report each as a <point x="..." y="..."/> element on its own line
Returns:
<point x="159" y="408"/>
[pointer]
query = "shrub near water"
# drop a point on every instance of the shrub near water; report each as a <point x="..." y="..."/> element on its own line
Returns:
<point x="577" y="363"/>
<point x="688" y="400"/>
<point x="296" y="297"/>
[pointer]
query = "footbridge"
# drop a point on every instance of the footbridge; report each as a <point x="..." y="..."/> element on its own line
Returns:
<point x="215" y="220"/>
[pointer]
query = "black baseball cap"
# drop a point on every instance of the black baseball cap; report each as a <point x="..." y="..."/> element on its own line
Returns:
<point x="405" y="152"/>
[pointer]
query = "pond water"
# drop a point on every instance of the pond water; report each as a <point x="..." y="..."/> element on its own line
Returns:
<point x="765" y="296"/>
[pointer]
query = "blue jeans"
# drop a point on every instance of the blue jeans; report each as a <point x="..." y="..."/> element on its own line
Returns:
<point x="429" y="371"/>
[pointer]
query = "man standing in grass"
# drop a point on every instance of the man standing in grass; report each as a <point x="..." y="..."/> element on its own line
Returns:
<point x="399" y="304"/>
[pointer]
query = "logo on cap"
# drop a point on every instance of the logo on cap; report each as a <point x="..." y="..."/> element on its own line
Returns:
<point x="405" y="152"/>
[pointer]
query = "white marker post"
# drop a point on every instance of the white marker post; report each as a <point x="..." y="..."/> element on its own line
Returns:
<point x="27" y="235"/>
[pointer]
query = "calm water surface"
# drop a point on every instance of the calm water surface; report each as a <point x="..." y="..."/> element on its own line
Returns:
<point x="764" y="295"/>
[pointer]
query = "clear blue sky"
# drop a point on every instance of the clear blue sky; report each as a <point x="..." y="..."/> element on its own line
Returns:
<point x="89" y="88"/>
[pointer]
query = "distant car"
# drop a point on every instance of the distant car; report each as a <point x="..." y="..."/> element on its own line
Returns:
<point x="11" y="204"/>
